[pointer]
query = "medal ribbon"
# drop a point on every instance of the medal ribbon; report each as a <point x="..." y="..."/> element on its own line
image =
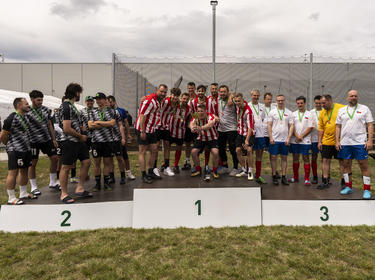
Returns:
<point x="221" y="105"/>
<point x="102" y="114"/>
<point x="281" y="116"/>
<point x="330" y="115"/>
<point x="39" y="116"/>
<point x="75" y="108"/>
<point x="352" y="115"/>
<point x="257" y="112"/>
<point x="301" y="117"/>
<point x="22" y="121"/>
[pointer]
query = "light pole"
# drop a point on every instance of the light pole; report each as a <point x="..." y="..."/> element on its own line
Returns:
<point x="214" y="4"/>
<point x="2" y="57"/>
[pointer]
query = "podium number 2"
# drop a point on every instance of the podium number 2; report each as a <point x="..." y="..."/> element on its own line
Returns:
<point x="325" y="216"/>
<point x="68" y="214"/>
<point x="198" y="203"/>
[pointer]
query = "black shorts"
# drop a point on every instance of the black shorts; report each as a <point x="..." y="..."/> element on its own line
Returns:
<point x="203" y="144"/>
<point x="88" y="143"/>
<point x="240" y="140"/>
<point x="46" y="147"/>
<point x="189" y="136"/>
<point x="329" y="152"/>
<point x="117" y="148"/>
<point x="125" y="152"/>
<point x="150" y="138"/>
<point x="58" y="150"/>
<point x="162" y="135"/>
<point x="102" y="149"/>
<point x="18" y="160"/>
<point x="177" y="141"/>
<point x="72" y="151"/>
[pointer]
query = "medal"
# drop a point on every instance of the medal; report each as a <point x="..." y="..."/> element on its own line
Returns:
<point x="222" y="113"/>
<point x="351" y="115"/>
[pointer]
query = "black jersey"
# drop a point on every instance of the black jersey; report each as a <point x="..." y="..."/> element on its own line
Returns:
<point x="104" y="134"/>
<point x="70" y="112"/>
<point x="38" y="128"/>
<point x="19" y="137"/>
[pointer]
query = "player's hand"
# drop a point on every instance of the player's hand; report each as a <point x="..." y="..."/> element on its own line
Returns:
<point x="55" y="144"/>
<point x="123" y="142"/>
<point x="368" y="145"/>
<point x="320" y="146"/>
<point x="272" y="141"/>
<point x="83" y="138"/>
<point x="287" y="142"/>
<point x="143" y="135"/>
<point x="338" y="146"/>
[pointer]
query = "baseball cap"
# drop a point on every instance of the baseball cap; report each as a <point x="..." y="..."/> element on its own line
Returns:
<point x="100" y="95"/>
<point x="89" y="97"/>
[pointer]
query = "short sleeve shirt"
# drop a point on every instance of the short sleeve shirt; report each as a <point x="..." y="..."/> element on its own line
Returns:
<point x="302" y="121"/>
<point x="85" y="116"/>
<point x="267" y="110"/>
<point x="116" y="129"/>
<point x="227" y="115"/>
<point x="281" y="120"/>
<point x="70" y="112"/>
<point x="353" y="130"/>
<point x="39" y="119"/>
<point x="314" y="132"/>
<point x="259" y="115"/>
<point x="327" y="124"/>
<point x="18" y="128"/>
<point x="104" y="134"/>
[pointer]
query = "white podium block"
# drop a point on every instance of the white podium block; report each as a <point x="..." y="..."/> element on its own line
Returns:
<point x="66" y="217"/>
<point x="318" y="212"/>
<point x="195" y="208"/>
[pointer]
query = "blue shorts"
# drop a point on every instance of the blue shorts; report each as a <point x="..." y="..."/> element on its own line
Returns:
<point x="303" y="149"/>
<point x="259" y="143"/>
<point x="267" y="141"/>
<point x="314" y="148"/>
<point x="357" y="152"/>
<point x="278" y="148"/>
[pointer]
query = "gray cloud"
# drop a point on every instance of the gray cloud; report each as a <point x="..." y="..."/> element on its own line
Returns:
<point x="314" y="16"/>
<point x="76" y="8"/>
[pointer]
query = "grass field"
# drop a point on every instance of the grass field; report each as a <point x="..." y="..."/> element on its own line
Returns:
<point x="328" y="252"/>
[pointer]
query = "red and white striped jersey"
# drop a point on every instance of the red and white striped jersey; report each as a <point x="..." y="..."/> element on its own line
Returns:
<point x="195" y="102"/>
<point x="209" y="134"/>
<point x="245" y="119"/>
<point x="165" y="114"/>
<point x="150" y="109"/>
<point x="213" y="105"/>
<point x="178" y="121"/>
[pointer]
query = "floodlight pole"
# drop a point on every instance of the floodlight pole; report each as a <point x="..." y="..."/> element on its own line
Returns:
<point x="214" y="4"/>
<point x="311" y="82"/>
<point x="113" y="74"/>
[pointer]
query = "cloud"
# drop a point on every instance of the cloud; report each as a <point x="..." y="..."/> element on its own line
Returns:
<point x="314" y="16"/>
<point x="76" y="8"/>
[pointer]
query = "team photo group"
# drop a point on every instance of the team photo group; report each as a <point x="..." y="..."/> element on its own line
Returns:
<point x="203" y="120"/>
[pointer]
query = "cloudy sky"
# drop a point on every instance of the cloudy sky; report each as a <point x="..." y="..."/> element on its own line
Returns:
<point x="90" y="30"/>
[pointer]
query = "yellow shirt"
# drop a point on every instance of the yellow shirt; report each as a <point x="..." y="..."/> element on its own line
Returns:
<point x="327" y="124"/>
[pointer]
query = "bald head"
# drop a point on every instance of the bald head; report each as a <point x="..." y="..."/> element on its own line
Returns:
<point x="352" y="97"/>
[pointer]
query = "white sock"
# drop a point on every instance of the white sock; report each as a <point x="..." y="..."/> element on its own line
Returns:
<point x="250" y="170"/>
<point x="243" y="169"/>
<point x="52" y="179"/>
<point x="57" y="182"/>
<point x="23" y="191"/>
<point x="12" y="195"/>
<point x="33" y="184"/>
<point x="366" y="180"/>
<point x="188" y="160"/>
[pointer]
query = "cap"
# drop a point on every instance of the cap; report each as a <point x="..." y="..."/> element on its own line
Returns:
<point x="100" y="95"/>
<point x="89" y="97"/>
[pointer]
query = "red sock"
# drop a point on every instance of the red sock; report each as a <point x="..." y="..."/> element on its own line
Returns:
<point x="177" y="157"/>
<point x="307" y="171"/>
<point x="206" y="157"/>
<point x="198" y="168"/>
<point x="314" y="166"/>
<point x="349" y="184"/>
<point x="214" y="169"/>
<point x="366" y="187"/>
<point x="220" y="162"/>
<point x="295" y="170"/>
<point x="258" y="166"/>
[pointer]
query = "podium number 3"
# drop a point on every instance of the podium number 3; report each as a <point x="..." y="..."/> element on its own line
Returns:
<point x="68" y="214"/>
<point x="325" y="216"/>
<point x="198" y="203"/>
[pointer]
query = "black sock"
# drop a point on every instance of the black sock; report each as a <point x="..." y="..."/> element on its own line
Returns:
<point x="97" y="179"/>
<point x="73" y="172"/>
<point x="283" y="177"/>
<point x="112" y="175"/>
<point x="156" y="163"/>
<point x="57" y="174"/>
<point x="325" y="180"/>
<point x="122" y="174"/>
<point x="166" y="162"/>
<point x="342" y="181"/>
<point x="329" y="179"/>
<point x="144" y="174"/>
<point x="150" y="171"/>
<point x="107" y="178"/>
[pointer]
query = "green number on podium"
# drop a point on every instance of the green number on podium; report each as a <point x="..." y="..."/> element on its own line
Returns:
<point x="325" y="213"/>
<point x="68" y="214"/>
<point x="198" y="202"/>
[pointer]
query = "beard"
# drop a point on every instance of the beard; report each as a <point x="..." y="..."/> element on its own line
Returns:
<point x="78" y="97"/>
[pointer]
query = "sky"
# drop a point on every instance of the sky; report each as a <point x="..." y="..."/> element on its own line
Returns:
<point x="91" y="30"/>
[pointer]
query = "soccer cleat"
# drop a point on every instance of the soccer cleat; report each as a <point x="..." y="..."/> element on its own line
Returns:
<point x="129" y="175"/>
<point x="347" y="190"/>
<point x="195" y="173"/>
<point x="322" y="186"/>
<point x="36" y="192"/>
<point x="176" y="170"/>
<point x="292" y="180"/>
<point x="275" y="180"/>
<point x="107" y="187"/>
<point x="168" y="171"/>
<point x="74" y="180"/>
<point x="162" y="168"/>
<point x="250" y="176"/>
<point x="156" y="174"/>
<point x="207" y="177"/>
<point x="366" y="194"/>
<point x="343" y="186"/>
<point x="112" y="180"/>
<point x="314" y="180"/>
<point x="146" y="179"/>
<point x="122" y="181"/>
<point x="307" y="183"/>
<point x="284" y="181"/>
<point x="241" y="174"/>
<point x="261" y="181"/>
<point x="278" y="175"/>
<point x="224" y="170"/>
<point x="187" y="166"/>
<point x="215" y="175"/>
<point x="234" y="172"/>
<point x="97" y="187"/>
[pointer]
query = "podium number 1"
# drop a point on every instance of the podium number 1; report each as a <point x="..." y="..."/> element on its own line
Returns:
<point x="198" y="203"/>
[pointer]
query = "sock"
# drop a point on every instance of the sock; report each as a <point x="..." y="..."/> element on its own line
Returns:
<point x="156" y="163"/>
<point x="198" y="168"/>
<point x="122" y="174"/>
<point x="258" y="168"/>
<point x="243" y="168"/>
<point x="106" y="179"/>
<point x="220" y="162"/>
<point x="112" y="175"/>
<point x="214" y="169"/>
<point x="314" y="166"/>
<point x="97" y="179"/>
<point x="188" y="160"/>
<point x="283" y="177"/>
<point x="348" y="183"/>
<point x="177" y="157"/>
<point x="33" y="184"/>
<point x="250" y="170"/>
<point x="206" y="157"/>
<point x="143" y="173"/>
<point x="52" y="180"/>
<point x="11" y="195"/>
<point x="57" y="174"/>
<point x="73" y="172"/>
<point x="295" y="170"/>
<point x="307" y="171"/>
<point x="150" y="171"/>
<point x="342" y="181"/>
<point x="225" y="165"/>
<point x="366" y="183"/>
<point x="166" y="162"/>
<point x="23" y="191"/>
<point x="325" y="180"/>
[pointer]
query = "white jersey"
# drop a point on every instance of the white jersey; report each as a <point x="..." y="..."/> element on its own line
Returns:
<point x="281" y="120"/>
<point x="267" y="110"/>
<point x="259" y="115"/>
<point x="315" y="133"/>
<point x="353" y="122"/>
<point x="302" y="121"/>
